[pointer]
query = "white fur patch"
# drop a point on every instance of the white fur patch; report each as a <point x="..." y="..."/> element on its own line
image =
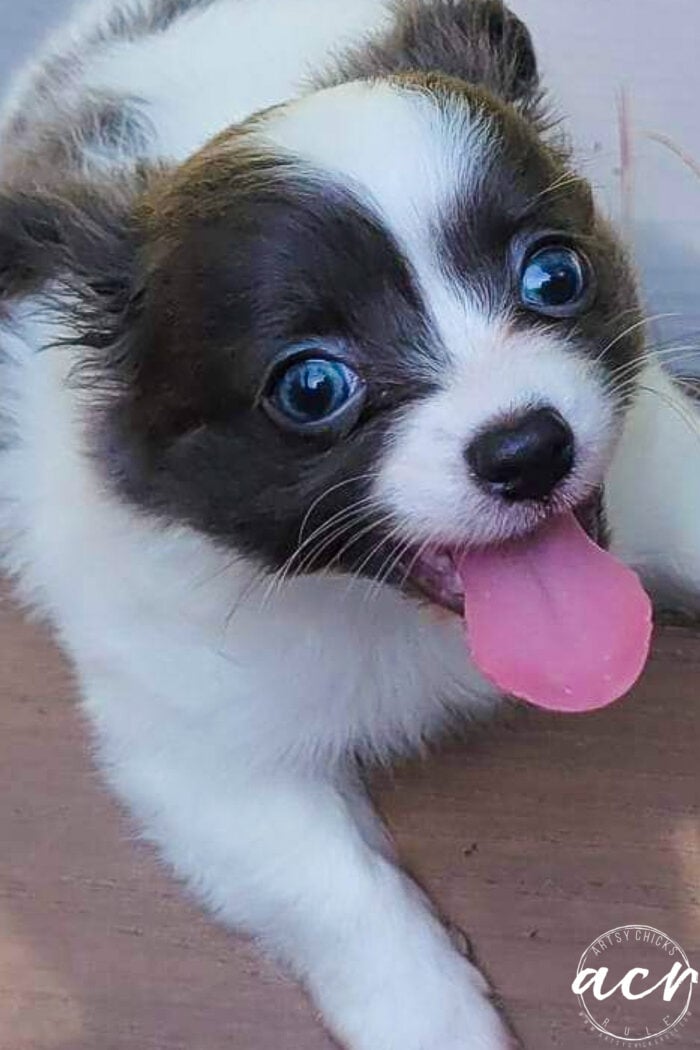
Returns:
<point x="405" y="158"/>
<point x="392" y="143"/>
<point x="216" y="66"/>
<point x="653" y="495"/>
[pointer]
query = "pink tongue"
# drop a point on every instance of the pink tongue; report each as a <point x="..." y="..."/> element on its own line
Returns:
<point x="555" y="620"/>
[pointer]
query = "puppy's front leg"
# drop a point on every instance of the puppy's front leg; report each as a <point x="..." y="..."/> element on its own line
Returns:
<point x="653" y="489"/>
<point x="299" y="863"/>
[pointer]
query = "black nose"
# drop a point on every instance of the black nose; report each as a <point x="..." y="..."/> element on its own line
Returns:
<point x="525" y="458"/>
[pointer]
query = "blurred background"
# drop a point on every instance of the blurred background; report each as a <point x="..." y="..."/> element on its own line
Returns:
<point x="626" y="80"/>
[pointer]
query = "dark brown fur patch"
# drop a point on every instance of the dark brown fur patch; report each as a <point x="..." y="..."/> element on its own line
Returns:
<point x="480" y="42"/>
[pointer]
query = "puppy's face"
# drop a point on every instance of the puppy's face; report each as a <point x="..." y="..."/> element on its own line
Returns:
<point x="382" y="320"/>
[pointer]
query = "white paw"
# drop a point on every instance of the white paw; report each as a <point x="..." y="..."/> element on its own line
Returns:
<point x="436" y="1003"/>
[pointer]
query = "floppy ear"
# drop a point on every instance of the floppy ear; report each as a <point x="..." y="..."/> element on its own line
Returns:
<point x="28" y="236"/>
<point x="78" y="236"/>
<point x="479" y="41"/>
<point x="79" y="244"/>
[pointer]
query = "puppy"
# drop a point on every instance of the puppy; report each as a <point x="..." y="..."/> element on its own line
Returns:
<point x="302" y="307"/>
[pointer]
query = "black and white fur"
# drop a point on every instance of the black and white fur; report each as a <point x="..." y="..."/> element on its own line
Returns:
<point x="169" y="221"/>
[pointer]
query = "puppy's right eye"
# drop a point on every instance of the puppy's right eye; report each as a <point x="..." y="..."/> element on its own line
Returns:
<point x="315" y="394"/>
<point x="555" y="281"/>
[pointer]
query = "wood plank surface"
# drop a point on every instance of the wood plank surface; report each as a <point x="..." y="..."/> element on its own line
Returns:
<point x="535" y="835"/>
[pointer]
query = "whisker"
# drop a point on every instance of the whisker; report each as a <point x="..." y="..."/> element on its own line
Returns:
<point x="334" y="518"/>
<point x="689" y="383"/>
<point x="328" y="541"/>
<point x="345" y="512"/>
<point x="343" y="523"/>
<point x="388" y="567"/>
<point x="652" y="354"/>
<point x="394" y="541"/>
<point x="692" y="424"/>
<point x="328" y="492"/>
<point x="628" y="331"/>
<point x="357" y="570"/>
<point x="378" y="523"/>
<point x="256" y="580"/>
<point x="628" y="371"/>
<point x="567" y="178"/>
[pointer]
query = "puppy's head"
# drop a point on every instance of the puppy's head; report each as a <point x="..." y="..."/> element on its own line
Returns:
<point x="382" y="320"/>
<point x="382" y="317"/>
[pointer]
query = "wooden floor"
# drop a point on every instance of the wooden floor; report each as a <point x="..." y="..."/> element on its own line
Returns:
<point x="536" y="836"/>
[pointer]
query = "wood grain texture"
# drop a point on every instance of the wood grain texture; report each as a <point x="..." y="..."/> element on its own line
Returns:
<point x="535" y="835"/>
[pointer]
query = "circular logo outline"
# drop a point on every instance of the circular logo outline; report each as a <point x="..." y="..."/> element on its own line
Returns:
<point x="644" y="1038"/>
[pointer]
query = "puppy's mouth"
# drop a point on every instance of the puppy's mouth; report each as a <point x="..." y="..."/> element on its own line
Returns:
<point x="433" y="573"/>
<point x="550" y="617"/>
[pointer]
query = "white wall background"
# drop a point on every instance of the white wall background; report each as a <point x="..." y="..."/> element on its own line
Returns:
<point x="591" y="51"/>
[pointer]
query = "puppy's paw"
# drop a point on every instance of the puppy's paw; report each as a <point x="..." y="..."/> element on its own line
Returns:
<point x="435" y="1004"/>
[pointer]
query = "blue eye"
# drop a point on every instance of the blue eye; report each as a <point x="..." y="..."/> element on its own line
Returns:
<point x="312" y="394"/>
<point x="555" y="281"/>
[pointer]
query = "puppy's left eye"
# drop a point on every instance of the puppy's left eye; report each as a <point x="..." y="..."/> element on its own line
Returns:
<point x="315" y="394"/>
<point x="555" y="280"/>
